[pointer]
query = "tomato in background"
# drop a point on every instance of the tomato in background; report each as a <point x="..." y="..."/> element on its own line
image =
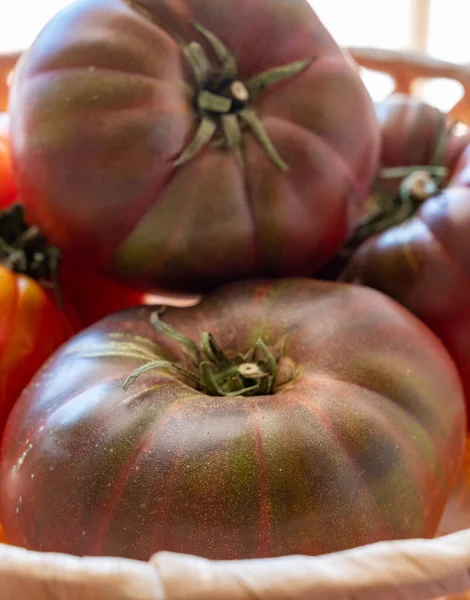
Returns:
<point x="32" y="326"/>
<point x="424" y="263"/>
<point x="3" y="537"/>
<point x="415" y="138"/>
<point x="96" y="295"/>
<point x="34" y="318"/>
<point x="414" y="133"/>
<point x="7" y="185"/>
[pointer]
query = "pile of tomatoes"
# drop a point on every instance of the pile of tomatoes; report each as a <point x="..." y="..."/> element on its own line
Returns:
<point x="193" y="357"/>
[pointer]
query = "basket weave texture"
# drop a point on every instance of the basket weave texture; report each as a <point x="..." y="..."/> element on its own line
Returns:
<point x="401" y="570"/>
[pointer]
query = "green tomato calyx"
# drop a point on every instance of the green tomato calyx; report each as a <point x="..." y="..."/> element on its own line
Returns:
<point x="209" y="370"/>
<point x="222" y="99"/>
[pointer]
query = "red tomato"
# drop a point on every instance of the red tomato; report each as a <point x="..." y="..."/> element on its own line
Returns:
<point x="178" y="159"/>
<point x="327" y="416"/>
<point x="7" y="185"/>
<point x="424" y="263"/>
<point x="96" y="295"/>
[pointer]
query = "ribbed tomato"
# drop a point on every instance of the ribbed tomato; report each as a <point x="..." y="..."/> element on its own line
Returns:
<point x="415" y="133"/>
<point x="319" y="416"/>
<point x="176" y="145"/>
<point x="419" y="152"/>
<point x="416" y="138"/>
<point x="424" y="263"/>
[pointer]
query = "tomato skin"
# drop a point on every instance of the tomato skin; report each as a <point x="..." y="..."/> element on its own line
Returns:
<point x="375" y="412"/>
<point x="3" y="539"/>
<point x="424" y="264"/>
<point x="96" y="295"/>
<point x="7" y="184"/>
<point x="96" y="135"/>
<point x="31" y="327"/>
<point x="414" y="134"/>
<point x="411" y="132"/>
<point x="456" y="516"/>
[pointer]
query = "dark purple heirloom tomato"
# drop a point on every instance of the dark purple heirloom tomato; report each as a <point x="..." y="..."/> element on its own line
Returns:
<point x="309" y="417"/>
<point x="416" y="139"/>
<point x="420" y="150"/>
<point x="185" y="143"/>
<point x="424" y="263"/>
<point x="415" y="133"/>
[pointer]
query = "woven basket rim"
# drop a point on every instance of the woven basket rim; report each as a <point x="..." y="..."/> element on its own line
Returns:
<point x="400" y="570"/>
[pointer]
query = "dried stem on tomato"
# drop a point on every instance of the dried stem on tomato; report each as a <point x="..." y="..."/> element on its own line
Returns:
<point x="211" y="371"/>
<point x="222" y="99"/>
<point x="415" y="185"/>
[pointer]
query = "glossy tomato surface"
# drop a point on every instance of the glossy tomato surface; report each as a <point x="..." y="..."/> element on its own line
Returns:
<point x="424" y="263"/>
<point x="104" y="103"/>
<point x="32" y="326"/>
<point x="359" y="441"/>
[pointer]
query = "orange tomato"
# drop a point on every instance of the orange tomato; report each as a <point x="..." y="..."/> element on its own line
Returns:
<point x="32" y="326"/>
<point x="3" y="539"/>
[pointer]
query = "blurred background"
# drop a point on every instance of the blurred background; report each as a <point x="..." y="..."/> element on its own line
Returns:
<point x="436" y="28"/>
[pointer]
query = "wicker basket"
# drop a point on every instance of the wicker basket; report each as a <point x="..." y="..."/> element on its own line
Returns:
<point x="405" y="570"/>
